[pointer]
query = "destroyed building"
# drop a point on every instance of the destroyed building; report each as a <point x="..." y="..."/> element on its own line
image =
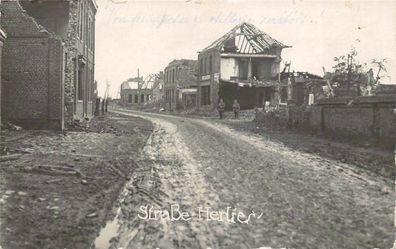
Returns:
<point x="180" y="84"/>
<point x="48" y="69"/>
<point x="244" y="65"/>
<point x="134" y="91"/>
<point x="158" y="87"/>
<point x="303" y="88"/>
<point x="3" y="36"/>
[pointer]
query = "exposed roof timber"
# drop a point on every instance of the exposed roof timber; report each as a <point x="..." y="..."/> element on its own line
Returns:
<point x="248" y="55"/>
<point x="263" y="43"/>
<point x="241" y="45"/>
<point x="259" y="40"/>
<point x="223" y="39"/>
<point x="239" y="40"/>
<point x="246" y="45"/>
<point x="256" y="48"/>
<point x="247" y="34"/>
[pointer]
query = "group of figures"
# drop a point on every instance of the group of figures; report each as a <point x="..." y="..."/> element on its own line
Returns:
<point x="235" y="108"/>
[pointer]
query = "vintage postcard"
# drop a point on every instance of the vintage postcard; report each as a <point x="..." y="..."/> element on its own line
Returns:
<point x="197" y="124"/>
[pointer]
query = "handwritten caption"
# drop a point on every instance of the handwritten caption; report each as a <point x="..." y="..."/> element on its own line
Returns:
<point x="175" y="213"/>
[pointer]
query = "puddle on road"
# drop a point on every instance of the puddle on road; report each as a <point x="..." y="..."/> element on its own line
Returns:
<point x="112" y="228"/>
<point x="107" y="233"/>
<point x="115" y="228"/>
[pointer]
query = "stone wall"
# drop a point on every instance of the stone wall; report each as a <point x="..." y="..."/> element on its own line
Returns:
<point x="71" y="61"/>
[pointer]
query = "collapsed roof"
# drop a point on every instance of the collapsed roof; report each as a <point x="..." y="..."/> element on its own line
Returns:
<point x="245" y="38"/>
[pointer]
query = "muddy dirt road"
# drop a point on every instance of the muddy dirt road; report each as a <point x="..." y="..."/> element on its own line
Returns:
<point x="58" y="188"/>
<point x="228" y="189"/>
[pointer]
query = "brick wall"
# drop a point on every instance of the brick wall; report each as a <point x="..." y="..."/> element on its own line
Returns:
<point x="2" y="39"/>
<point x="178" y="74"/>
<point x="53" y="15"/>
<point x="364" y="118"/>
<point x="63" y="20"/>
<point x="212" y="82"/>
<point x="56" y="84"/>
<point x="348" y="120"/>
<point x="315" y="118"/>
<point x="32" y="71"/>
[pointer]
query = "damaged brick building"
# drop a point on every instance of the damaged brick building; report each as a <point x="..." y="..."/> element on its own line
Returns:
<point x="134" y="91"/>
<point x="3" y="36"/>
<point x="180" y="84"/>
<point x="244" y="65"/>
<point x="48" y="69"/>
<point x="303" y="88"/>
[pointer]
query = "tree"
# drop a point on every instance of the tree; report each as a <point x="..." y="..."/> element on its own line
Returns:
<point x="380" y="65"/>
<point x="348" y="72"/>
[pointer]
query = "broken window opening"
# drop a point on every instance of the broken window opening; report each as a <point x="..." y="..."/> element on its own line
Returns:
<point x="205" y="95"/>
<point x="255" y="70"/>
<point x="80" y="90"/>
<point x="268" y="94"/>
<point x="243" y="69"/>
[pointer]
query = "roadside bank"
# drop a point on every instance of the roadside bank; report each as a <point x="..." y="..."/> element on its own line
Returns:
<point x="57" y="189"/>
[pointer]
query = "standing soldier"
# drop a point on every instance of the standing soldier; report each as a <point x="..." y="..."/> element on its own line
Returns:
<point x="220" y="108"/>
<point x="236" y="108"/>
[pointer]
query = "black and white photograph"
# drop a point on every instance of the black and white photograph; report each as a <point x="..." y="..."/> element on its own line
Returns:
<point x="197" y="124"/>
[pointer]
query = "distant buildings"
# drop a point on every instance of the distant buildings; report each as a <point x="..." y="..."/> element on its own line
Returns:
<point x="48" y="70"/>
<point x="244" y="65"/>
<point x="158" y="88"/>
<point x="133" y="92"/>
<point x="179" y="76"/>
<point x="303" y="88"/>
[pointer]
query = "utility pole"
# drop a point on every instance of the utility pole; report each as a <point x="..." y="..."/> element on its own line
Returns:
<point x="105" y="98"/>
<point x="138" y="81"/>
<point x="107" y="94"/>
<point x="349" y="73"/>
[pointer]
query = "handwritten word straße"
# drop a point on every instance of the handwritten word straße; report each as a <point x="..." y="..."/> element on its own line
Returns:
<point x="229" y="215"/>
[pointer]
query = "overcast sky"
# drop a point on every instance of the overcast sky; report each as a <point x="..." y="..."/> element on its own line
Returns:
<point x="133" y="34"/>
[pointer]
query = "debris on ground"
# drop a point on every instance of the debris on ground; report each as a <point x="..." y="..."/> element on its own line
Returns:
<point x="303" y="199"/>
<point x="51" y="178"/>
<point x="6" y="125"/>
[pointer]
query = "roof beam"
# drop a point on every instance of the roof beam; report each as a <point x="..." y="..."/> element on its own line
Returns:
<point x="226" y="55"/>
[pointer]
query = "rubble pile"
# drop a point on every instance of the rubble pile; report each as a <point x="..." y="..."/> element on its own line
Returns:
<point x="6" y="125"/>
<point x="63" y="184"/>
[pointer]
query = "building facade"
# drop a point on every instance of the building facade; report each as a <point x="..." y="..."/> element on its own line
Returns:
<point x="244" y="64"/>
<point x="49" y="77"/>
<point x="158" y="88"/>
<point x="2" y="39"/>
<point x="133" y="93"/>
<point x="178" y="75"/>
